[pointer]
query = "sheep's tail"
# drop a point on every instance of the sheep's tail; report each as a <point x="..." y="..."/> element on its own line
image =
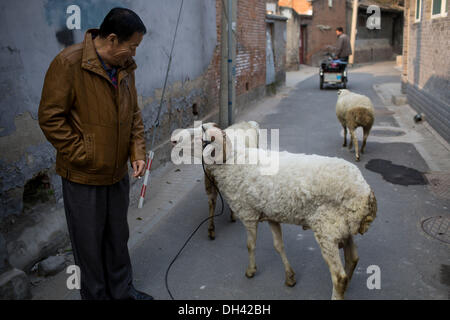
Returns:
<point x="360" y="116"/>
<point x="372" y="213"/>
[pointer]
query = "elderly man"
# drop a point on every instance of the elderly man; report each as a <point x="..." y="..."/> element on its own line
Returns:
<point x="89" y="113"/>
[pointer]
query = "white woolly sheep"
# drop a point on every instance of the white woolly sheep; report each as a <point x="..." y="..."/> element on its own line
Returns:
<point x="245" y="134"/>
<point x="248" y="132"/>
<point x="354" y="110"/>
<point x="326" y="195"/>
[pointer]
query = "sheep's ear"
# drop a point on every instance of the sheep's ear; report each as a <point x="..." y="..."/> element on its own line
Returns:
<point x="228" y="147"/>
<point x="254" y="124"/>
<point x="365" y="223"/>
<point x="209" y="125"/>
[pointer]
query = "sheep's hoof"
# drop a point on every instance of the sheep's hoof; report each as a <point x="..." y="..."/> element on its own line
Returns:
<point x="337" y="297"/>
<point x="357" y="159"/>
<point x="290" y="283"/>
<point x="290" y="280"/>
<point x="344" y="145"/>
<point x="250" y="273"/>
<point x="212" y="235"/>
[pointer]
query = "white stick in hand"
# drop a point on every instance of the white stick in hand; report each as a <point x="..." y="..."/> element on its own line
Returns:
<point x="147" y="173"/>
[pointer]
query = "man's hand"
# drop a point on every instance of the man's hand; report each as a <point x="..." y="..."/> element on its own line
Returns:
<point x="138" y="167"/>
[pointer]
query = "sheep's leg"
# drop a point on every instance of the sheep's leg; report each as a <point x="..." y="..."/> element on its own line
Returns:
<point x="345" y="136"/>
<point x="232" y="216"/>
<point x="350" y="143"/>
<point x="351" y="257"/>
<point x="330" y="253"/>
<point x="355" y="141"/>
<point x="252" y="228"/>
<point x="212" y="197"/>
<point x="366" y="134"/>
<point x="279" y="246"/>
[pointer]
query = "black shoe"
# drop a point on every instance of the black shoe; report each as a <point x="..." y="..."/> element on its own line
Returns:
<point x="138" y="295"/>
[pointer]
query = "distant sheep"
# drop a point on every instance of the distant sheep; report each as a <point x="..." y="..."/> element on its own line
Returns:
<point x="327" y="195"/>
<point x="354" y="110"/>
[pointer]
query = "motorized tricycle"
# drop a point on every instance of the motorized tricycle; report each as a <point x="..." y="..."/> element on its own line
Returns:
<point x="333" y="71"/>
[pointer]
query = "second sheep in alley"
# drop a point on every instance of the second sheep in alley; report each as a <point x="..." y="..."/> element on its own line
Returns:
<point x="354" y="110"/>
<point x="243" y="134"/>
<point x="248" y="132"/>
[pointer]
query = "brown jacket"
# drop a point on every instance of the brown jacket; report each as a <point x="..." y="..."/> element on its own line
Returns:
<point x="343" y="47"/>
<point x="93" y="126"/>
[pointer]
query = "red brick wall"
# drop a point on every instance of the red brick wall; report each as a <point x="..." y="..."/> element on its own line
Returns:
<point x="428" y="48"/>
<point x="250" y="45"/>
<point x="250" y="51"/>
<point x="426" y="65"/>
<point x="332" y="17"/>
<point x="212" y="79"/>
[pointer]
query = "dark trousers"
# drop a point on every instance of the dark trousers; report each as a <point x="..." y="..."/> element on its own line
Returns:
<point x="98" y="228"/>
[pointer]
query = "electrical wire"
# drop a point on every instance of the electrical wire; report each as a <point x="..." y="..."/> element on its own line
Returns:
<point x="203" y="165"/>
<point x="156" y="124"/>
<point x="193" y="233"/>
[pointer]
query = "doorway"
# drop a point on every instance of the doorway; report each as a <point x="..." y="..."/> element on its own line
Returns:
<point x="302" y="44"/>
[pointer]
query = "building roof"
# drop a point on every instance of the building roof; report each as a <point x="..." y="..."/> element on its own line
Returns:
<point x="302" y="7"/>
<point x="389" y="5"/>
<point x="275" y="17"/>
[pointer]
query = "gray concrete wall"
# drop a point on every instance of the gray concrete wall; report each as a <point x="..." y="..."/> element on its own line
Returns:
<point x="436" y="108"/>
<point x="279" y="44"/>
<point x="279" y="37"/>
<point x="368" y="50"/>
<point x="377" y="44"/>
<point x="292" y="38"/>
<point x="33" y="32"/>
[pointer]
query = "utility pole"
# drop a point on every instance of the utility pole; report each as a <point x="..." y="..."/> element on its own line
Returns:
<point x="227" y="92"/>
<point x="230" y="62"/>
<point x="353" y="31"/>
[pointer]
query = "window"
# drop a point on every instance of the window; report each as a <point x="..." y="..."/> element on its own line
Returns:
<point x="438" y="8"/>
<point x="418" y="10"/>
<point x="271" y="8"/>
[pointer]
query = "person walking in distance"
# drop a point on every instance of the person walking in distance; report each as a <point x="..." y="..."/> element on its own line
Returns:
<point x="89" y="113"/>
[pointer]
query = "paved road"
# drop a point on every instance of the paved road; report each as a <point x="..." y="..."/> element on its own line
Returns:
<point x="413" y="265"/>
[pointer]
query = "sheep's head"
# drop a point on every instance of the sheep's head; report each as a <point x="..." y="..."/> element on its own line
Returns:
<point x="342" y="92"/>
<point x="207" y="140"/>
<point x="216" y="146"/>
<point x="365" y="223"/>
<point x="368" y="219"/>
